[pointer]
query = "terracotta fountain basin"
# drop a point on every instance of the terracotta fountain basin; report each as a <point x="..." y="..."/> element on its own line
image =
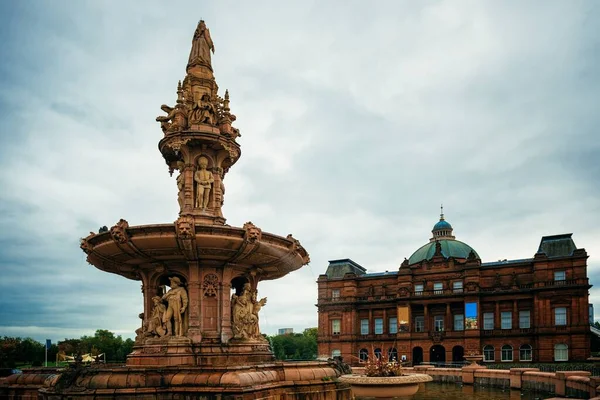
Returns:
<point x="385" y="386"/>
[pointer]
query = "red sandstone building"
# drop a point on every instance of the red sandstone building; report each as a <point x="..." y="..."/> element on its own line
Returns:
<point x="444" y="303"/>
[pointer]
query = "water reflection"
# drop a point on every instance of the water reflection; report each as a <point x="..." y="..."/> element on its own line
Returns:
<point x="453" y="391"/>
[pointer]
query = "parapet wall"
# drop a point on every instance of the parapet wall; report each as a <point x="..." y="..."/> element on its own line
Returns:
<point x="563" y="383"/>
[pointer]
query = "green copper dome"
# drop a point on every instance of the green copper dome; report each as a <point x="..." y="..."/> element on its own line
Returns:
<point x="450" y="248"/>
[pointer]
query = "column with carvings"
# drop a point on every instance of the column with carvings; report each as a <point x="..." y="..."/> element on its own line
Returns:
<point x="195" y="328"/>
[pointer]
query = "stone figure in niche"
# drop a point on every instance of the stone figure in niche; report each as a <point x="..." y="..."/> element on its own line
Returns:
<point x="177" y="300"/>
<point x="202" y="45"/>
<point x="204" y="180"/>
<point x="156" y="325"/>
<point x="245" y="308"/>
<point x="203" y="109"/>
<point x="180" y="185"/>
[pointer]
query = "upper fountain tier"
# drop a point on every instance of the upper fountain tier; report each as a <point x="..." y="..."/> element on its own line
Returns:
<point x="199" y="140"/>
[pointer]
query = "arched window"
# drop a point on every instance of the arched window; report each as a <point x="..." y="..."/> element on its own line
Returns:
<point x="525" y="352"/>
<point x="393" y="354"/>
<point x="377" y="353"/>
<point x="488" y="353"/>
<point x="336" y="353"/>
<point x="507" y="352"/>
<point x="561" y="352"/>
<point x="363" y="355"/>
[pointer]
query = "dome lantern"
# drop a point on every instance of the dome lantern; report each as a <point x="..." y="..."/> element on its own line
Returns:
<point x="442" y="229"/>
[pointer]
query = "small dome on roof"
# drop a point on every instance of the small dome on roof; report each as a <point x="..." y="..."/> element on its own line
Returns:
<point x="442" y="224"/>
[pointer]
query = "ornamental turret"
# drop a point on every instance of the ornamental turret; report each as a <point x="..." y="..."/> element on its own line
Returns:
<point x="199" y="140"/>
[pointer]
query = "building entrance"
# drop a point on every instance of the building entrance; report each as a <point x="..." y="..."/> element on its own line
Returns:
<point x="437" y="353"/>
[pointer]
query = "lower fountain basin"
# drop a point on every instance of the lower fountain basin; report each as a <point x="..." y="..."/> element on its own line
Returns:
<point x="385" y="386"/>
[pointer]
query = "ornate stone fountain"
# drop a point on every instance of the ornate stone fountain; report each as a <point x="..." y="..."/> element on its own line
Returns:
<point x="199" y="335"/>
<point x="199" y="321"/>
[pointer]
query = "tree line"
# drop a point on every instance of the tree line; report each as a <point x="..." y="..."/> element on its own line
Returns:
<point x="16" y="351"/>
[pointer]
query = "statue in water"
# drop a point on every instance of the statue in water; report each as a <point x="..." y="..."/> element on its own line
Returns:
<point x="202" y="45"/>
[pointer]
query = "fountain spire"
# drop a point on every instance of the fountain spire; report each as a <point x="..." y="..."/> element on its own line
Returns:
<point x="199" y="139"/>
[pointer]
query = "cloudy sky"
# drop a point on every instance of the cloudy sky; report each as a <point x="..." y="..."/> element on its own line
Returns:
<point x="357" y="118"/>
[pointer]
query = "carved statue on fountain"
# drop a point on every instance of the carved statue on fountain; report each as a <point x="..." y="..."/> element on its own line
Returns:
<point x="204" y="180"/>
<point x="180" y="185"/>
<point x="176" y="119"/>
<point x="245" y="314"/>
<point x="177" y="300"/>
<point x="202" y="45"/>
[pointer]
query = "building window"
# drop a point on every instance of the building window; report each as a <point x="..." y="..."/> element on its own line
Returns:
<point x="335" y="294"/>
<point x="507" y="353"/>
<point x="378" y="326"/>
<point x="560" y="316"/>
<point x="561" y="352"/>
<point x="363" y="355"/>
<point x="525" y="319"/>
<point x="560" y="276"/>
<point x="488" y="353"/>
<point x="457" y="287"/>
<point x="459" y="322"/>
<point x="392" y="354"/>
<point x="336" y="353"/>
<point x="438" y="321"/>
<point x="420" y="324"/>
<point x="393" y="325"/>
<point x="364" y="326"/>
<point x="336" y="326"/>
<point x="525" y="352"/>
<point x="506" y="322"/>
<point x="377" y="353"/>
<point x="488" y="320"/>
<point x="438" y="288"/>
<point x="419" y="290"/>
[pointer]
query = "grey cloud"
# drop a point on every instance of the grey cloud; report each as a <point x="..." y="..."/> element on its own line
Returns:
<point x="357" y="121"/>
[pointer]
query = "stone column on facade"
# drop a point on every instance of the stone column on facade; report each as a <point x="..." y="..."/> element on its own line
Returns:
<point x="426" y="324"/>
<point x="194" y="328"/>
<point x="188" y="194"/>
<point x="217" y="194"/>
<point x="515" y="317"/>
<point x="385" y="322"/>
<point x="497" y="319"/>
<point x="148" y="292"/>
<point x="225" y="310"/>
<point x="371" y="323"/>
<point x="449" y="321"/>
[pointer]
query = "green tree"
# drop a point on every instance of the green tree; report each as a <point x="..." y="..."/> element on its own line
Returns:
<point x="9" y="348"/>
<point x="295" y="346"/>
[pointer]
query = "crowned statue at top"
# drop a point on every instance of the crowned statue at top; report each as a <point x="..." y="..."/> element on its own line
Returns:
<point x="202" y="45"/>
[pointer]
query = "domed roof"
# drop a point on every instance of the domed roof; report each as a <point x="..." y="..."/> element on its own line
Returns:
<point x="450" y="248"/>
<point x="442" y="224"/>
